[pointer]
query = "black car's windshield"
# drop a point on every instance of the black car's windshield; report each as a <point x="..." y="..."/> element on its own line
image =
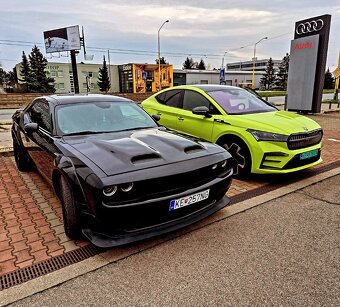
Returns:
<point x="239" y="101"/>
<point x="99" y="117"/>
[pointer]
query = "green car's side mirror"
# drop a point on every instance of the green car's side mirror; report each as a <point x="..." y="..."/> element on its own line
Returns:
<point x="202" y="110"/>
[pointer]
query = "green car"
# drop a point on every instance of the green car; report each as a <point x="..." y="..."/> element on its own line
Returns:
<point x="261" y="138"/>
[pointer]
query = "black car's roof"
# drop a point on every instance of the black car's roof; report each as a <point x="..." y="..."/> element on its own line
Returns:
<point x="81" y="98"/>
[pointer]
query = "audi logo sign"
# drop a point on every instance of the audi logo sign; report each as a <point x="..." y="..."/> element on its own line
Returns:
<point x="309" y="26"/>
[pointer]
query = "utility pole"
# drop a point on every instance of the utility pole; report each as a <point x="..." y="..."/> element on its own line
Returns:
<point x="74" y="71"/>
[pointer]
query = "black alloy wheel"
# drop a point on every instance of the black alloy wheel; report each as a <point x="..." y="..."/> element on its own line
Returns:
<point x="240" y="152"/>
<point x="70" y="212"/>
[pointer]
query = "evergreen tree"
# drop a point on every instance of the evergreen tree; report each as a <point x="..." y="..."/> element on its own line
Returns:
<point x="162" y="60"/>
<point x="39" y="82"/>
<point x="103" y="78"/>
<point x="2" y="76"/>
<point x="201" y="65"/>
<point x="268" y="79"/>
<point x="329" y="80"/>
<point x="189" y="64"/>
<point x="282" y="74"/>
<point x="25" y="72"/>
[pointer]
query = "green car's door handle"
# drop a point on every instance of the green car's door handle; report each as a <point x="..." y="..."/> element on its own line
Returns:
<point x="180" y="118"/>
<point x="221" y="121"/>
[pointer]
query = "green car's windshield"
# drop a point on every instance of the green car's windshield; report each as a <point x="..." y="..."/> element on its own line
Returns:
<point x="99" y="117"/>
<point x="239" y="101"/>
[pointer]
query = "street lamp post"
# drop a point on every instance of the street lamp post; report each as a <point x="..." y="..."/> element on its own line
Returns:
<point x="159" y="56"/>
<point x="223" y="59"/>
<point x="253" y="75"/>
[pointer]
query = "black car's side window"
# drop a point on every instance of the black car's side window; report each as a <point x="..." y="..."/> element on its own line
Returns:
<point x="170" y="98"/>
<point x="193" y="99"/>
<point x="40" y="114"/>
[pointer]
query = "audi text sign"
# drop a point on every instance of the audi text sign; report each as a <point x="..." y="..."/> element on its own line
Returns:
<point x="307" y="65"/>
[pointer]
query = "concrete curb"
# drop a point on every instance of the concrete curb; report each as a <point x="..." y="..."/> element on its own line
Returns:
<point x="53" y="279"/>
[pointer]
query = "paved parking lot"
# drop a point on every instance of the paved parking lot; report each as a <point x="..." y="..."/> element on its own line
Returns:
<point x="31" y="230"/>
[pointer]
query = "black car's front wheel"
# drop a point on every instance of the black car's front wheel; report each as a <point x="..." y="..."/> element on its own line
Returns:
<point x="22" y="162"/>
<point x="240" y="152"/>
<point x="70" y="212"/>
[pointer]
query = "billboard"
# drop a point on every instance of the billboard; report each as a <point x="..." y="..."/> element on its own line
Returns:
<point x="63" y="39"/>
<point x="307" y="65"/>
<point x="302" y="68"/>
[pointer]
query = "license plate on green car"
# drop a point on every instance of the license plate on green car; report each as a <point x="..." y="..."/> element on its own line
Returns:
<point x="309" y="154"/>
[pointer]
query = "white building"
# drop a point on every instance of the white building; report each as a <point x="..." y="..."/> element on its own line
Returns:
<point x="235" y="78"/>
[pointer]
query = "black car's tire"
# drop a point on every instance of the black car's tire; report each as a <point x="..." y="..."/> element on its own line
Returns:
<point x="70" y="212"/>
<point x="22" y="162"/>
<point x="240" y="152"/>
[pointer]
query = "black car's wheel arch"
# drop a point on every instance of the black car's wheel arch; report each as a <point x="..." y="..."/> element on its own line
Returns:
<point x="229" y="138"/>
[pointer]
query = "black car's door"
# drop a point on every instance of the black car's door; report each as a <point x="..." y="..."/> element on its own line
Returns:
<point x="40" y="144"/>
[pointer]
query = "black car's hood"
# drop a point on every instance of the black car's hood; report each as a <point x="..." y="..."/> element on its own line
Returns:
<point x="120" y="152"/>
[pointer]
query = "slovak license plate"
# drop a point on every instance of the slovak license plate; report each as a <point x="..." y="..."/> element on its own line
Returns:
<point x="309" y="154"/>
<point x="188" y="200"/>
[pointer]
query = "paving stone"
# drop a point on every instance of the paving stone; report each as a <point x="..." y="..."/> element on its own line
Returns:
<point x="59" y="229"/>
<point x="7" y="266"/>
<point x="23" y="255"/>
<point x="41" y="255"/>
<point x="20" y="245"/>
<point x="69" y="246"/>
<point x="55" y="222"/>
<point x="17" y="237"/>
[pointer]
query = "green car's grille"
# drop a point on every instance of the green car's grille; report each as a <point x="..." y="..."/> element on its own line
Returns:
<point x="303" y="140"/>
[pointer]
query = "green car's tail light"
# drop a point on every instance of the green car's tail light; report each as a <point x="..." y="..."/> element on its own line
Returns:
<point x="268" y="136"/>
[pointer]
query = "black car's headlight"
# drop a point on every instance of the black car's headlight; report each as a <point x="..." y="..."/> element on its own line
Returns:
<point x="223" y="167"/>
<point x="112" y="190"/>
<point x="267" y="136"/>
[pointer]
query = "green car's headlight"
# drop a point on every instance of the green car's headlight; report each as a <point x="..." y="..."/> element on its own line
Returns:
<point x="267" y="136"/>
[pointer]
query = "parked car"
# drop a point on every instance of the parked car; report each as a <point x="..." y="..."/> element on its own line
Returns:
<point x="261" y="138"/>
<point x="120" y="177"/>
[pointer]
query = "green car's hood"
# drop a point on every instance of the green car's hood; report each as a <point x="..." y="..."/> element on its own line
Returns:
<point x="282" y="122"/>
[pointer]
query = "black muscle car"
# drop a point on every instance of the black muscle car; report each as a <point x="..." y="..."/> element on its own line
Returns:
<point x="120" y="177"/>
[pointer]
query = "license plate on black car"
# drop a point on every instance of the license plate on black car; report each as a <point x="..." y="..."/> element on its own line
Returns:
<point x="188" y="200"/>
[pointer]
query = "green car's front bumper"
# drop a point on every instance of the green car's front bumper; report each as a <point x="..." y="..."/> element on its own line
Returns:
<point x="275" y="157"/>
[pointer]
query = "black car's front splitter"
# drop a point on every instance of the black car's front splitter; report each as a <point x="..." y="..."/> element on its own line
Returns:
<point x="106" y="241"/>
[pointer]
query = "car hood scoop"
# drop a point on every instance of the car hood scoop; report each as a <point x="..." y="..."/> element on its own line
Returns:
<point x="116" y="153"/>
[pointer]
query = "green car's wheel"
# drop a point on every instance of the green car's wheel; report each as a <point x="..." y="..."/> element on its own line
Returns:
<point x="70" y="212"/>
<point x="240" y="152"/>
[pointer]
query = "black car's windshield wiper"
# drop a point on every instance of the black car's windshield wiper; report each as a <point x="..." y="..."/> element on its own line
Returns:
<point x="137" y="128"/>
<point x="83" y="132"/>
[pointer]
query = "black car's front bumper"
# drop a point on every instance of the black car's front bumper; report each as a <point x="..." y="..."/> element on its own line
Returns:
<point x="119" y="225"/>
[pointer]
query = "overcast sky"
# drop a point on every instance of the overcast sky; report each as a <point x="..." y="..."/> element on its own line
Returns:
<point x="198" y="29"/>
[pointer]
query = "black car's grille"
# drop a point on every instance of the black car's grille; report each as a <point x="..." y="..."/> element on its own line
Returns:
<point x="123" y="219"/>
<point x="303" y="140"/>
<point x="168" y="185"/>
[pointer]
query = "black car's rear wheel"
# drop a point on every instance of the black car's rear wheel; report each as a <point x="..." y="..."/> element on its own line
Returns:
<point x="70" y="212"/>
<point x="22" y="161"/>
<point x="240" y="152"/>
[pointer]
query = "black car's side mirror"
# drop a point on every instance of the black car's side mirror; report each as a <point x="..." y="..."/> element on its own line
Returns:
<point x="156" y="117"/>
<point x="31" y="127"/>
<point x="202" y="110"/>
